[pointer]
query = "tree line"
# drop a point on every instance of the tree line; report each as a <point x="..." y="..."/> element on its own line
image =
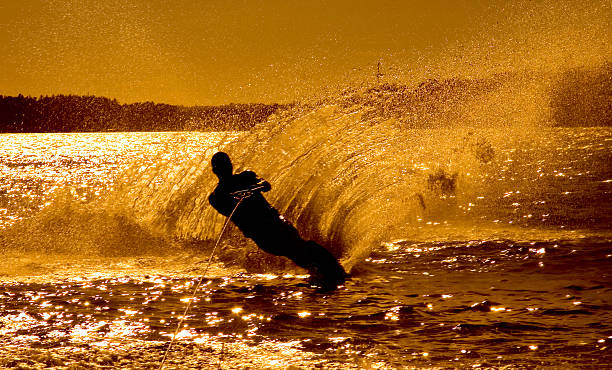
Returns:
<point x="73" y="113"/>
<point x="583" y="97"/>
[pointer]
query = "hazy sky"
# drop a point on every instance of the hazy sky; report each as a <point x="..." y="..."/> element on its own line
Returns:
<point x="215" y="52"/>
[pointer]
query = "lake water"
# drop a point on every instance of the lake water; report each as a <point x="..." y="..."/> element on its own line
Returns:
<point x="485" y="248"/>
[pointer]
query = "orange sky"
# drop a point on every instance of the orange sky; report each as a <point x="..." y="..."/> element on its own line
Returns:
<point x="216" y="52"/>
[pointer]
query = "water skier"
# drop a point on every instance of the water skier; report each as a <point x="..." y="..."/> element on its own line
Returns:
<point x="262" y="223"/>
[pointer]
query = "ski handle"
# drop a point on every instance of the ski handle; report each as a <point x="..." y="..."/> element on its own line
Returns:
<point x="246" y="192"/>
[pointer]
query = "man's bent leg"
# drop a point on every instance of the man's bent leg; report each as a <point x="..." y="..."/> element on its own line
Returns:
<point x="282" y="239"/>
<point x="318" y="261"/>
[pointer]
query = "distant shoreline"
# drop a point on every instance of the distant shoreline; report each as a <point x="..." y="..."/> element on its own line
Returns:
<point x="578" y="97"/>
<point x="75" y="113"/>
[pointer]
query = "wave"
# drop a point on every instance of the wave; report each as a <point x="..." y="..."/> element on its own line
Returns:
<point x="68" y="226"/>
<point x="351" y="171"/>
<point x="355" y="170"/>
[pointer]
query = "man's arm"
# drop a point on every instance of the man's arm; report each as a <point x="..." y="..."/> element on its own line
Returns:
<point x="249" y="181"/>
<point x="263" y="185"/>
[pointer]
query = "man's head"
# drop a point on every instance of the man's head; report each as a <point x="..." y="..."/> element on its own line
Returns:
<point x="221" y="165"/>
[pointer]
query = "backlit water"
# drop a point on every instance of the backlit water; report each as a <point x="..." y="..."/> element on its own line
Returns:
<point x="104" y="237"/>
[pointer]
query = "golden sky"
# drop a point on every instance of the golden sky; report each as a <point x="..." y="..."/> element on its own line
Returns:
<point x="214" y="52"/>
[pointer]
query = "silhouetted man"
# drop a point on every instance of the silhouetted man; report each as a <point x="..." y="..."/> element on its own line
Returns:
<point x="262" y="223"/>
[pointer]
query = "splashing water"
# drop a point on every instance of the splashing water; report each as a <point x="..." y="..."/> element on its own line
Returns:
<point x="477" y="236"/>
<point x="336" y="168"/>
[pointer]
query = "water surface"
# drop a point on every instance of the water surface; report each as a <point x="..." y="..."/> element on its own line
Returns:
<point x="104" y="237"/>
